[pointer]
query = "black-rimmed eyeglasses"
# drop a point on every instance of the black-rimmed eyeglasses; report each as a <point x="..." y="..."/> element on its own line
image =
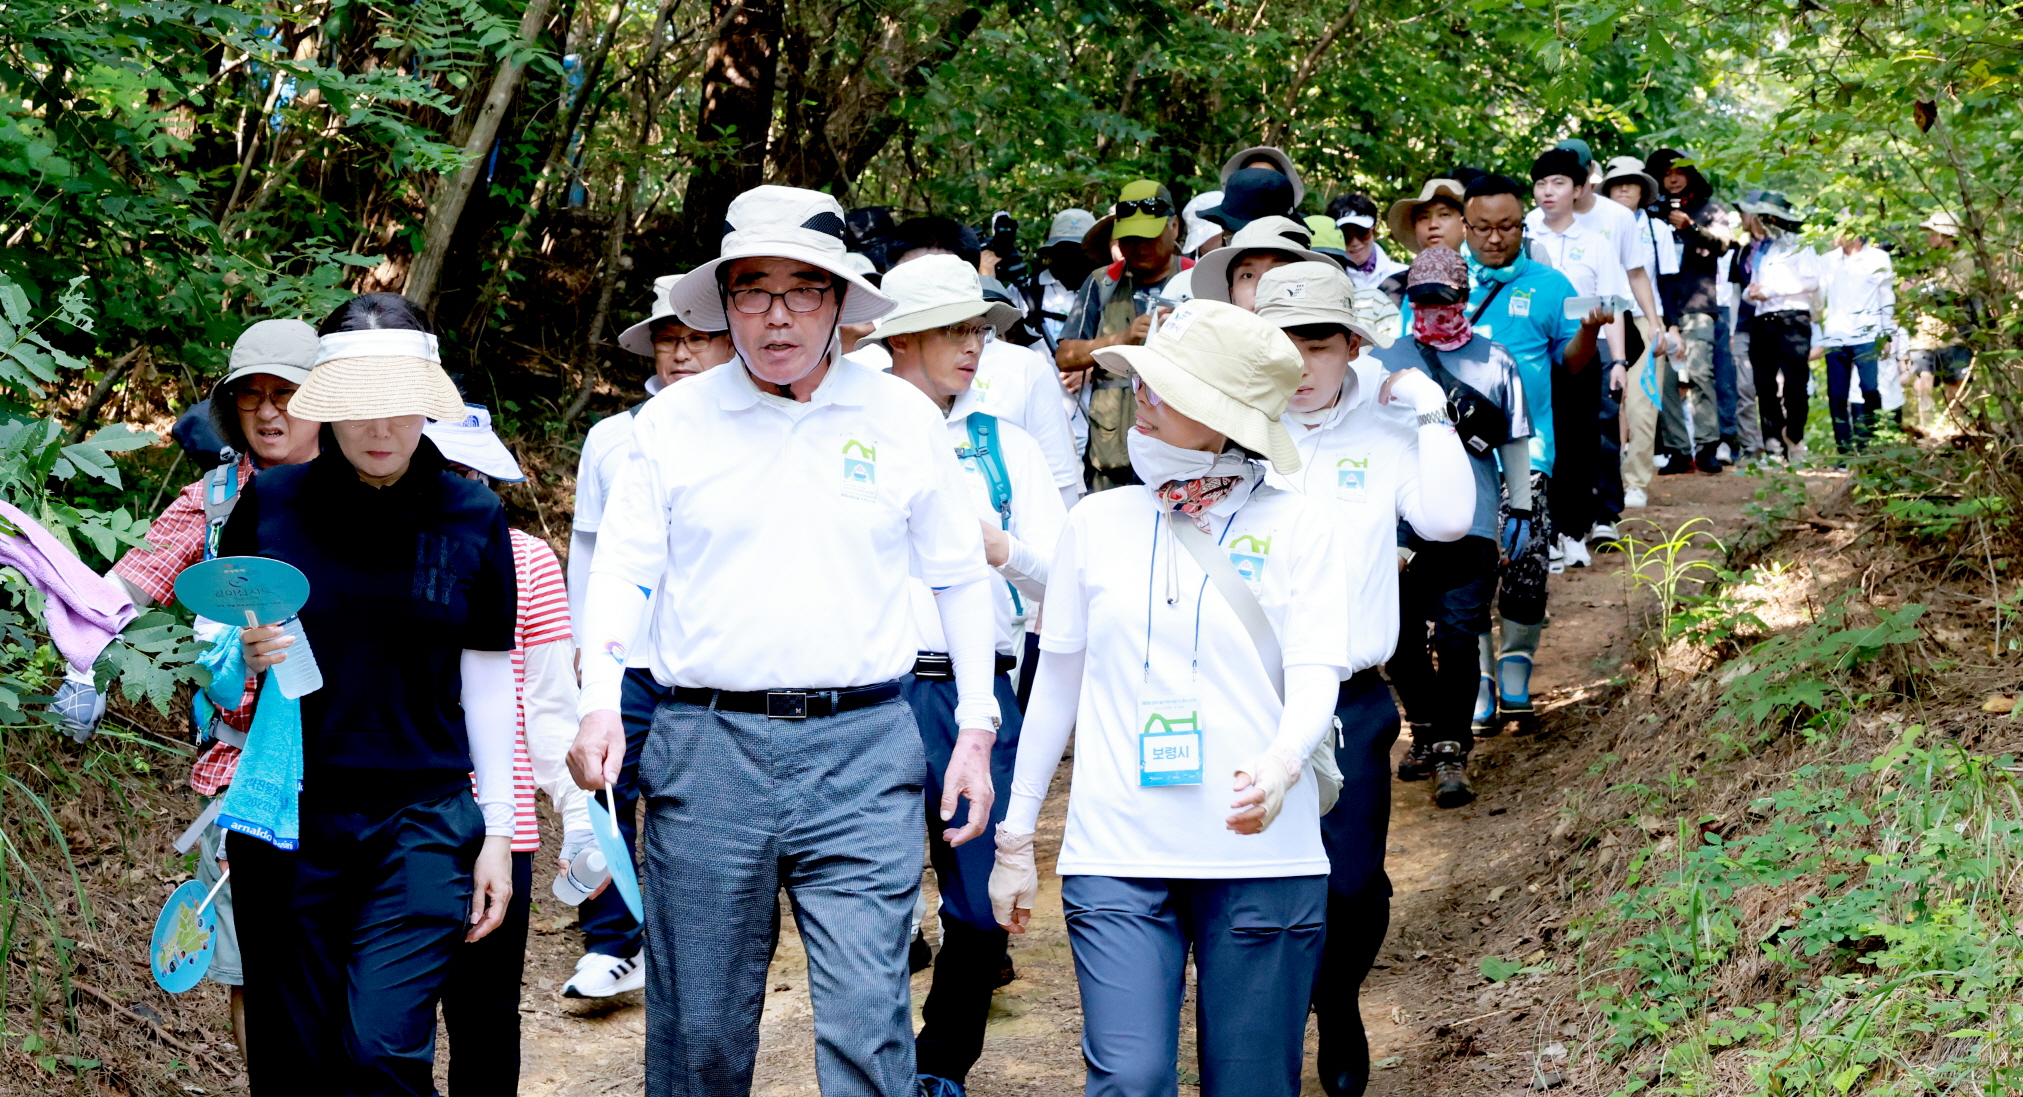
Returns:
<point x="758" y="302"/>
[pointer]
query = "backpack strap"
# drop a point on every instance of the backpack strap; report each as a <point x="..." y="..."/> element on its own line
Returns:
<point x="221" y="494"/>
<point x="983" y="446"/>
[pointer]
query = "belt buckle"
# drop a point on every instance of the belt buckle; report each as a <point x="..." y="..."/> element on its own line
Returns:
<point x="934" y="668"/>
<point x="786" y="704"/>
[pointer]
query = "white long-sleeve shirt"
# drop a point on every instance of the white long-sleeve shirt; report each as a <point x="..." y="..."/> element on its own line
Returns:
<point x="1861" y="296"/>
<point x="1788" y="274"/>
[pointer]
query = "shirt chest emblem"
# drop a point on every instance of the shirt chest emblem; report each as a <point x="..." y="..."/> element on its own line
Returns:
<point x="860" y="469"/>
<point x="1248" y="554"/>
<point x="1520" y="303"/>
<point x="1352" y="479"/>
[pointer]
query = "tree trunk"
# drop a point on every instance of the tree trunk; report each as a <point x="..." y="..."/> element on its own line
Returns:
<point x="448" y="207"/>
<point x="737" y="111"/>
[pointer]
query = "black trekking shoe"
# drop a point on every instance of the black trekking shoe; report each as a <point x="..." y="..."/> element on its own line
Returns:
<point x="1418" y="763"/>
<point x="919" y="955"/>
<point x="1450" y="772"/>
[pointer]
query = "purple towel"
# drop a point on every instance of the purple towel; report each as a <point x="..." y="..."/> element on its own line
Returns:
<point x="85" y="611"/>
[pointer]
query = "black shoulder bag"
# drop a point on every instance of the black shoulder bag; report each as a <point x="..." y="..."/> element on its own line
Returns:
<point x="1479" y="420"/>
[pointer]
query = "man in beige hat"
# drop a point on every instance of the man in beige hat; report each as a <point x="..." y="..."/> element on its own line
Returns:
<point x="1947" y="311"/>
<point x="784" y="506"/>
<point x="936" y="336"/>
<point x="1374" y="449"/>
<point x="1434" y="218"/>
<point x="1194" y="644"/>
<point x="610" y="963"/>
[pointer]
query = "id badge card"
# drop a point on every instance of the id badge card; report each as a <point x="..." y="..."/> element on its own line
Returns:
<point x="1169" y="740"/>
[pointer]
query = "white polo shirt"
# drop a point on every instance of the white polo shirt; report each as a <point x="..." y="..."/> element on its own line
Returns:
<point x="1020" y="386"/>
<point x="1363" y="466"/>
<point x="1616" y="225"/>
<point x="1106" y="594"/>
<point x="1588" y="260"/>
<point x="606" y="449"/>
<point x="1861" y="299"/>
<point x="785" y="538"/>
<point x="1036" y="519"/>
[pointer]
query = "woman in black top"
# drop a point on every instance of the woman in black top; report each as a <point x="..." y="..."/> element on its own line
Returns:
<point x="347" y="938"/>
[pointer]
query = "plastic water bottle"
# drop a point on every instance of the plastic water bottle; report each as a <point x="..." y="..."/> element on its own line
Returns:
<point x="586" y="874"/>
<point x="297" y="675"/>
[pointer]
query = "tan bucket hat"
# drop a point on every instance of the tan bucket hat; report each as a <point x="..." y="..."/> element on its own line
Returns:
<point x="1399" y="219"/>
<point x="380" y="373"/>
<point x="935" y="291"/>
<point x="1224" y="368"/>
<point x="1629" y="169"/>
<point x="1320" y="293"/>
<point x="1280" y="234"/>
<point x="785" y="223"/>
<point x="1277" y="157"/>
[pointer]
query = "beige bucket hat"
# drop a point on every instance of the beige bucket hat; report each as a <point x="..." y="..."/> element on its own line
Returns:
<point x="935" y="291"/>
<point x="786" y="223"/>
<point x="1629" y="169"/>
<point x="380" y="373"/>
<point x="1224" y="368"/>
<point x="639" y="337"/>
<point x="1276" y="156"/>
<point x="1280" y="234"/>
<point x="1298" y="294"/>
<point x="1399" y="218"/>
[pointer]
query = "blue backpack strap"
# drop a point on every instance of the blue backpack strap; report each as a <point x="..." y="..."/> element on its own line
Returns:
<point x="983" y="445"/>
<point x="221" y="494"/>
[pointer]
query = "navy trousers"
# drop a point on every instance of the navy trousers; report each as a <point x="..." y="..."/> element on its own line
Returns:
<point x="607" y="926"/>
<point x="1846" y="366"/>
<point x="1256" y="945"/>
<point x="972" y="955"/>
<point x="1359" y="892"/>
<point x="737" y="807"/>
<point x="347" y="943"/>
<point x="481" y="1001"/>
<point x="1448" y="583"/>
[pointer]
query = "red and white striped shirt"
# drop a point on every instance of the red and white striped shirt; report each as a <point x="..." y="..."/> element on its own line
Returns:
<point x="543" y="619"/>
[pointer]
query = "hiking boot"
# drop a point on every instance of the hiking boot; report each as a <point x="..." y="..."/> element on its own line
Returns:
<point x="919" y="954"/>
<point x="1450" y="773"/>
<point x="1418" y="763"/>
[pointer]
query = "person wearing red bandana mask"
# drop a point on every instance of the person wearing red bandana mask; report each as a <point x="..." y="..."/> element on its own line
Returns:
<point x="1451" y="583"/>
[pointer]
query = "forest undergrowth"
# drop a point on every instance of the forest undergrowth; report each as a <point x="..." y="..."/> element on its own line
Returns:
<point x="1788" y="852"/>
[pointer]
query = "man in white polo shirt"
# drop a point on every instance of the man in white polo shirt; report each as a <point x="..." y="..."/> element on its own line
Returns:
<point x="1373" y="450"/>
<point x="936" y="336"/>
<point x="784" y="506"/>
<point x="610" y="963"/>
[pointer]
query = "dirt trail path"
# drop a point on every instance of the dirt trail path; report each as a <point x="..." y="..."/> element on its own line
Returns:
<point x="1444" y="865"/>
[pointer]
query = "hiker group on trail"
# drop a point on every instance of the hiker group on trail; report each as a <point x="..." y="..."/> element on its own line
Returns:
<point x="900" y="516"/>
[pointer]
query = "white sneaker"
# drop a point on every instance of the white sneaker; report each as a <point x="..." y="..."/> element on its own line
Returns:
<point x="1555" y="555"/>
<point x="600" y="976"/>
<point x="1634" y="497"/>
<point x="1723" y="454"/>
<point x="1603" y="532"/>
<point x="1576" y="553"/>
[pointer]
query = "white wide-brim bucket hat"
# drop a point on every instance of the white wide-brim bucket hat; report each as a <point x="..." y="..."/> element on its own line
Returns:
<point x="1299" y="294"/>
<point x="935" y="291"/>
<point x="1200" y="230"/>
<point x="1629" y="169"/>
<point x="1277" y="157"/>
<point x="639" y="337"/>
<point x="471" y="442"/>
<point x="382" y="373"/>
<point x="1280" y="234"/>
<point x="1224" y="368"/>
<point x="785" y="223"/>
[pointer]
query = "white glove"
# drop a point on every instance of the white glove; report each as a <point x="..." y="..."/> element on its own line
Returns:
<point x="1014" y="880"/>
<point x="574" y="843"/>
<point x="1274" y="776"/>
<point x="1415" y="390"/>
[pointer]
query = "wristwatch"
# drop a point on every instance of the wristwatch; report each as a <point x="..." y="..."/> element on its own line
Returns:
<point x="1435" y="419"/>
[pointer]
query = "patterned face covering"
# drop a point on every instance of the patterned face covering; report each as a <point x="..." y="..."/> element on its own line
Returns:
<point x="1194" y="497"/>
<point x="1442" y="327"/>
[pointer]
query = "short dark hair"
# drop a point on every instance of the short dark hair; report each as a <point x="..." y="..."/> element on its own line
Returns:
<point x="1489" y="186"/>
<point x="943" y="233"/>
<point x="1318" y="332"/>
<point x="369" y="311"/>
<point x="1345" y="204"/>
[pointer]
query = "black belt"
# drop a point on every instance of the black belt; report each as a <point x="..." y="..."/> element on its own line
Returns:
<point x="1362" y="680"/>
<point x="936" y="666"/>
<point x="789" y="704"/>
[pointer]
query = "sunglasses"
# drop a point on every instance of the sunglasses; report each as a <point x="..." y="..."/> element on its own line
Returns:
<point x="1150" y="207"/>
<point x="1139" y="387"/>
